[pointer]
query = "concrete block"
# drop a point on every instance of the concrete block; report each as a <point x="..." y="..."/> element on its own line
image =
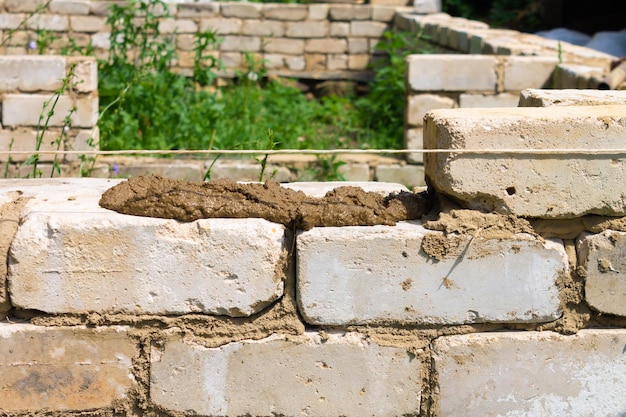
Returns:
<point x="171" y="25"/>
<point x="531" y="374"/>
<point x="295" y="63"/>
<point x="409" y="175"/>
<point x="221" y="26"/>
<point x="242" y="10"/>
<point x="263" y="28"/>
<point x="69" y="7"/>
<point x="241" y="43"/>
<point x="326" y="46"/>
<point x="355" y="172"/>
<point x="29" y="6"/>
<point x="570" y="97"/>
<point x="197" y="9"/>
<point x="384" y="13"/>
<point x="562" y="185"/>
<point x="51" y="22"/>
<point x="420" y="104"/>
<point x="577" y="76"/>
<point x="368" y="29"/>
<point x="358" y="61"/>
<point x="339" y="282"/>
<point x="522" y="72"/>
<point x="310" y="29"/>
<point x="488" y="100"/>
<point x="88" y="24"/>
<point x="102" y="261"/>
<point x="451" y="72"/>
<point x="350" y="12"/>
<point x="293" y="12"/>
<point x="339" y="29"/>
<point x="26" y="109"/>
<point x="25" y="139"/>
<point x="358" y="45"/>
<point x="414" y="139"/>
<point x="318" y="12"/>
<point x="31" y="73"/>
<point x="343" y="375"/>
<point x="11" y="20"/>
<point x="604" y="258"/>
<point x="64" y="368"/>
<point x="337" y="62"/>
<point x="284" y="46"/>
<point x="86" y="74"/>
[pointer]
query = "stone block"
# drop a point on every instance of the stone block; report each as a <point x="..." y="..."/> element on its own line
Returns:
<point x="284" y="46"/>
<point x="488" y="100"/>
<point x="25" y="140"/>
<point x="531" y="374"/>
<point x="337" y="62"/>
<point x="420" y="104"/>
<point x="359" y="61"/>
<point x="318" y="11"/>
<point x="339" y="29"/>
<point x="315" y="62"/>
<point x="355" y="172"/>
<point x="64" y="369"/>
<point x="451" y="72"/>
<point x="413" y="139"/>
<point x="69" y="7"/>
<point x="26" y="109"/>
<point x="51" y="22"/>
<point x="263" y="28"/>
<point x="28" y="6"/>
<point x="197" y="9"/>
<point x="171" y="25"/>
<point x="242" y="10"/>
<point x="384" y="13"/>
<point x="96" y="260"/>
<point x="274" y="61"/>
<point x="295" y="63"/>
<point x="340" y="283"/>
<point x="342" y="375"/>
<point x="577" y="76"/>
<point x="557" y="185"/>
<point x="368" y="29"/>
<point x="88" y="24"/>
<point x="31" y="73"/>
<point x="241" y="43"/>
<point x="349" y="12"/>
<point x="570" y="97"/>
<point x="409" y="175"/>
<point x="522" y="72"/>
<point x="11" y="20"/>
<point x="310" y="29"/>
<point x="221" y="26"/>
<point x="604" y="258"/>
<point x="86" y="74"/>
<point x="326" y="46"/>
<point x="293" y="12"/>
<point x="358" y="46"/>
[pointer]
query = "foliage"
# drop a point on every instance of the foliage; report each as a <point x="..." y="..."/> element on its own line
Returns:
<point x="520" y="15"/>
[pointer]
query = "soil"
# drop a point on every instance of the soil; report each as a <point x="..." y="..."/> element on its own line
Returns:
<point x="154" y="196"/>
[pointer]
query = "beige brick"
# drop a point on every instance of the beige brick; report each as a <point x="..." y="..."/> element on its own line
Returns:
<point x="31" y="73"/>
<point x="274" y="61"/>
<point x="25" y="140"/>
<point x="101" y="40"/>
<point x="28" y="6"/>
<point x="231" y="59"/>
<point x="368" y="29"/>
<point x="56" y="23"/>
<point x="349" y="12"/>
<point x="488" y="100"/>
<point x="99" y="8"/>
<point x="263" y="28"/>
<point x="170" y="25"/>
<point x="310" y="29"/>
<point x="327" y="46"/>
<point x="358" y="45"/>
<point x="64" y="368"/>
<point x="11" y="21"/>
<point x="315" y="62"/>
<point x="295" y="12"/>
<point x="221" y="26"/>
<point x="420" y="104"/>
<point x="409" y="175"/>
<point x="531" y="373"/>
<point x="546" y="98"/>
<point x="339" y="29"/>
<point x="384" y="13"/>
<point x="197" y="9"/>
<point x="89" y="24"/>
<point x="559" y="185"/>
<point x="568" y="76"/>
<point x="295" y="63"/>
<point x="355" y="172"/>
<point x="84" y="140"/>
<point x="338" y="376"/>
<point x="284" y="46"/>
<point x="337" y="62"/>
<point x="528" y="72"/>
<point x="318" y="12"/>
<point x="185" y="42"/>
<point x="603" y="256"/>
<point x="413" y="139"/>
<point x="242" y="10"/>
<point x="359" y="61"/>
<point x="25" y="110"/>
<point x="86" y="72"/>
<point x="241" y="43"/>
<point x="70" y="7"/>
<point x="441" y="72"/>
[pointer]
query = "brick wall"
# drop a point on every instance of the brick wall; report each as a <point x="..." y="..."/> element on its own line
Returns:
<point x="508" y="301"/>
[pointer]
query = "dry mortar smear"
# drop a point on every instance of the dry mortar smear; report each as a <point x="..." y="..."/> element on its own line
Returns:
<point x="154" y="196"/>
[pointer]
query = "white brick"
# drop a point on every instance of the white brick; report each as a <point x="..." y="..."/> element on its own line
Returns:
<point x="242" y="10"/>
<point x="64" y="368"/>
<point x="420" y="104"/>
<point x="294" y="12"/>
<point x="339" y="282"/>
<point x="31" y="73"/>
<point x="86" y="72"/>
<point x="11" y="20"/>
<point x="221" y="26"/>
<point x="25" y="110"/>
<point x="522" y="72"/>
<point x="318" y="12"/>
<point x="531" y="374"/>
<point x="604" y="258"/>
<point x="284" y="46"/>
<point x="561" y="185"/>
<point x="349" y="12"/>
<point x="98" y="260"/>
<point x="241" y="43"/>
<point x="326" y="46"/>
<point x="88" y="24"/>
<point x="53" y="22"/>
<point x="545" y="98"/>
<point x="488" y="100"/>
<point x="409" y="175"/>
<point x="310" y="29"/>
<point x="345" y="375"/>
<point x="263" y="28"/>
<point x="170" y="25"/>
<point x="414" y="139"/>
<point x="70" y="7"/>
<point x="368" y="29"/>
<point x="25" y="139"/>
<point x="451" y="72"/>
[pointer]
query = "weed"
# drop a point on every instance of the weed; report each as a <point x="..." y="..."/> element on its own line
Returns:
<point x="263" y="161"/>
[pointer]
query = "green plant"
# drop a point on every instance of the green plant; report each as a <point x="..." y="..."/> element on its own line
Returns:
<point x="263" y="161"/>
<point x="329" y="168"/>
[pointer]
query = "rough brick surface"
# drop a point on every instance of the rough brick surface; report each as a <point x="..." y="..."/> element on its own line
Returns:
<point x="443" y="72"/>
<point x="488" y="100"/>
<point x="64" y="368"/>
<point x="409" y="175"/>
<point x="561" y="185"/>
<point x="546" y="98"/>
<point x="31" y="73"/>
<point x="420" y="104"/>
<point x="531" y="374"/>
<point x="26" y="109"/>
<point x="343" y="375"/>
<point x="604" y="258"/>
<point x="339" y="281"/>
<point x="522" y="72"/>
<point x="98" y="260"/>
